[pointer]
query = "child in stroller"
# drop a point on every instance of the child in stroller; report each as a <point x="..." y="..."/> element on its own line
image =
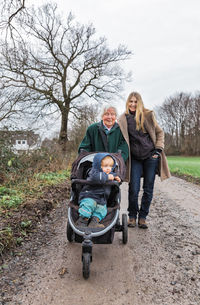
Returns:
<point x="87" y="235"/>
<point x="93" y="198"/>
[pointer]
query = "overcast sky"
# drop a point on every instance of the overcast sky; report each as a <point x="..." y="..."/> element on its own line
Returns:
<point x="164" y="36"/>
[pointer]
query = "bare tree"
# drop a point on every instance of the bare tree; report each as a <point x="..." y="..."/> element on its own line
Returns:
<point x="62" y="63"/>
<point x="10" y="9"/>
<point x="193" y="135"/>
<point x="80" y="121"/>
<point x="11" y="107"/>
<point x="179" y="117"/>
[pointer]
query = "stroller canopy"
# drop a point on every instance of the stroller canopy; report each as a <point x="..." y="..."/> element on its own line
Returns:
<point x="85" y="160"/>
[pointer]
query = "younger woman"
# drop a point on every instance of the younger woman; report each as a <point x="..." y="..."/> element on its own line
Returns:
<point x="145" y="139"/>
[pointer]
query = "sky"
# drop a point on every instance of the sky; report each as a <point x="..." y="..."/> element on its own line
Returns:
<point x="164" y="36"/>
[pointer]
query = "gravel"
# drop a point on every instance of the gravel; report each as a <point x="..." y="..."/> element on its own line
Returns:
<point x="160" y="265"/>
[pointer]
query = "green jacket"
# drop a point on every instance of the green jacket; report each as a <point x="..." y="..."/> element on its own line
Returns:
<point x="97" y="140"/>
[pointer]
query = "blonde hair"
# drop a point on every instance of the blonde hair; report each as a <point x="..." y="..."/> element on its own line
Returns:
<point x="139" y="114"/>
<point x="105" y="109"/>
<point x="108" y="158"/>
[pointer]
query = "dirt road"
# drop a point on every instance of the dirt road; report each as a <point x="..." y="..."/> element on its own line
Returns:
<point x="160" y="265"/>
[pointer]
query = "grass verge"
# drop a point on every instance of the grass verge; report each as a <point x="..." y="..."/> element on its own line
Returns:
<point x="12" y="196"/>
<point x="187" y="168"/>
<point x="23" y="205"/>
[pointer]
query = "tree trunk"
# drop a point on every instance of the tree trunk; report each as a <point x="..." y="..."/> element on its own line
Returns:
<point x="63" y="136"/>
<point x="182" y="138"/>
<point x="177" y="137"/>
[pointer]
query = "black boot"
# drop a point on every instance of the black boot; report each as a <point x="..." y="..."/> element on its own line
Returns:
<point x="82" y="222"/>
<point x="94" y="223"/>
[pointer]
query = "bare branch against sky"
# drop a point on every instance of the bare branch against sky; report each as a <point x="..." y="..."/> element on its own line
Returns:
<point x="10" y="9"/>
<point x="61" y="63"/>
<point x="163" y="35"/>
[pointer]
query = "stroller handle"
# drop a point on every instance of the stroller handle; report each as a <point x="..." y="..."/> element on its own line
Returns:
<point x="87" y="182"/>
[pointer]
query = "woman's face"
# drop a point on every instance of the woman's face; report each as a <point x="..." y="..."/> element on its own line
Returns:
<point x="132" y="105"/>
<point x="109" y="117"/>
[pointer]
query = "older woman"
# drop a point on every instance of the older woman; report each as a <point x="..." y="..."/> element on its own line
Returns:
<point x="105" y="135"/>
<point x="145" y="139"/>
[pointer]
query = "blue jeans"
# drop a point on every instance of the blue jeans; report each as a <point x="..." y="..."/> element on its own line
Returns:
<point x="146" y="168"/>
<point x="88" y="208"/>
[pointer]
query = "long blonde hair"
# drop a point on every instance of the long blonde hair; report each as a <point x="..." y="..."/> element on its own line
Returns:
<point x="139" y="114"/>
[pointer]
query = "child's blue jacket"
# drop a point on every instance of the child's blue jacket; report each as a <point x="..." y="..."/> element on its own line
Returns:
<point x="100" y="192"/>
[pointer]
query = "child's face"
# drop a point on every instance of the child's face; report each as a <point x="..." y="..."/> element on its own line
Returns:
<point x="106" y="166"/>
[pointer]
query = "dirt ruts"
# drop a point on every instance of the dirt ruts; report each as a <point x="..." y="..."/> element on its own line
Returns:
<point x="160" y="265"/>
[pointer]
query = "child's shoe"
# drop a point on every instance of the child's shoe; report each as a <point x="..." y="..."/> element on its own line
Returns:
<point x="82" y="222"/>
<point x="94" y="223"/>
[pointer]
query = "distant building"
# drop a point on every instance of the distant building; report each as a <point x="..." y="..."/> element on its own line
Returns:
<point x="21" y="140"/>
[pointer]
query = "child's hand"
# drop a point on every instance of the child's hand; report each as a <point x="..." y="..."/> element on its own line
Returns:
<point x="111" y="177"/>
<point x="118" y="179"/>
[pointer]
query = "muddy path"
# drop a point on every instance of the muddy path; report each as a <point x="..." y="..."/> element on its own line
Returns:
<point x="160" y="265"/>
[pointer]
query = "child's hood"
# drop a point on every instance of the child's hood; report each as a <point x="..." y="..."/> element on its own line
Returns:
<point x="98" y="158"/>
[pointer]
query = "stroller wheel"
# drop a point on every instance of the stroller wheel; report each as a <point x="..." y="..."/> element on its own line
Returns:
<point x="124" y="228"/>
<point x="86" y="265"/>
<point x="70" y="232"/>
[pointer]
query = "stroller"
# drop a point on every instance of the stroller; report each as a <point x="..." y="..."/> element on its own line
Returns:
<point x="87" y="236"/>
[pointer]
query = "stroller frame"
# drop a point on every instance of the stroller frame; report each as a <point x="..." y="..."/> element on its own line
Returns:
<point x="88" y="236"/>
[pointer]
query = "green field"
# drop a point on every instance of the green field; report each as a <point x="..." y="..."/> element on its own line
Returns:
<point x="189" y="166"/>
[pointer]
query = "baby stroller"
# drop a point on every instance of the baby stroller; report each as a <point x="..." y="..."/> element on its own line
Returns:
<point x="87" y="236"/>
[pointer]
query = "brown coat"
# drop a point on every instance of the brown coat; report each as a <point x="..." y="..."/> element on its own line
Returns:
<point x="157" y="135"/>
